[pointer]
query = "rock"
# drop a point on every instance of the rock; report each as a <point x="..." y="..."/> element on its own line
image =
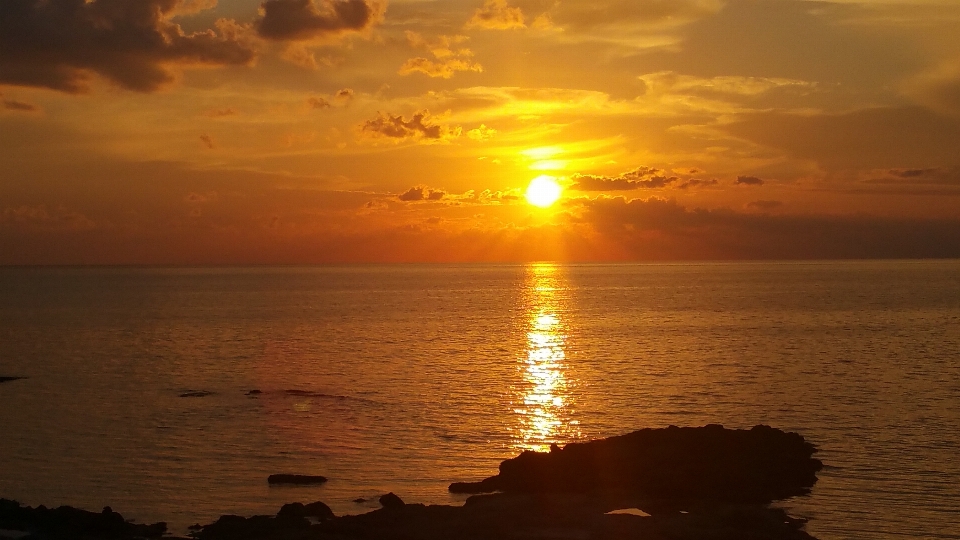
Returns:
<point x="256" y="528"/>
<point x="9" y="379"/>
<point x="296" y="479"/>
<point x="254" y="393"/>
<point x="317" y="510"/>
<point x="359" y="500"/>
<point x="196" y="394"/>
<point x="391" y="501"/>
<point x="68" y="522"/>
<point x="758" y="465"/>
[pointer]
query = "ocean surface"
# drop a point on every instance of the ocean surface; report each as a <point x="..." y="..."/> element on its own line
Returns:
<point x="406" y="378"/>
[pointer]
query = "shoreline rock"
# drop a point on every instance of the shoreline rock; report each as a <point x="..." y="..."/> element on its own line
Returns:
<point x="710" y="463"/>
<point x="66" y="522"/>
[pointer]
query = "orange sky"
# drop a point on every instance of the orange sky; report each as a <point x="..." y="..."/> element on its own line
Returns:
<point x="313" y="131"/>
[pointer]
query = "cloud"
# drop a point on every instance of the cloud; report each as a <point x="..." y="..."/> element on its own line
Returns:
<point x="749" y="181"/>
<point x="496" y="15"/>
<point x="764" y="205"/>
<point x="421" y="193"/>
<point x="59" y="44"/>
<point x="448" y="61"/>
<point x="303" y="20"/>
<point x="482" y="133"/>
<point x="916" y="177"/>
<point x="641" y="178"/>
<point x="869" y="138"/>
<point x="444" y="69"/>
<point x="696" y="182"/>
<point x="220" y="113"/>
<point x="207" y="141"/>
<point x="318" y="103"/>
<point x="657" y="229"/>
<point x="418" y="127"/>
<point x="40" y="217"/>
<point x="14" y="105"/>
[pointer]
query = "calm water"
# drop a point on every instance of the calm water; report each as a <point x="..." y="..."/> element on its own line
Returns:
<point x="405" y="378"/>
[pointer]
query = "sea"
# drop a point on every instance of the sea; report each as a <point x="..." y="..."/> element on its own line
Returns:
<point x="171" y="394"/>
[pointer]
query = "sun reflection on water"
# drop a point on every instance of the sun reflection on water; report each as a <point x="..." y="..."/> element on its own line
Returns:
<point x="544" y="401"/>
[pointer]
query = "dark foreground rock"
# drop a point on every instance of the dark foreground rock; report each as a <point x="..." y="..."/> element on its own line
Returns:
<point x="295" y="479"/>
<point x="391" y="500"/>
<point x="523" y="516"/>
<point x="68" y="523"/>
<point x="710" y="463"/>
<point x="9" y="379"/>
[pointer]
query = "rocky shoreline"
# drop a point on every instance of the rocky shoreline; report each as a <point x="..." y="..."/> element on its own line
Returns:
<point x="707" y="483"/>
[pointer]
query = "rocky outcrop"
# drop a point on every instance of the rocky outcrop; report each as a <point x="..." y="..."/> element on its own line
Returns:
<point x="710" y="463"/>
<point x="296" y="479"/>
<point x="522" y="516"/>
<point x="68" y="523"/>
<point x="390" y="500"/>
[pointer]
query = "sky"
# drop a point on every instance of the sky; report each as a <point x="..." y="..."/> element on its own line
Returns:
<point x="347" y="131"/>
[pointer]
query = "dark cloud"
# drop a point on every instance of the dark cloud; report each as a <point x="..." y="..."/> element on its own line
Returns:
<point x="749" y="181"/>
<point x="917" y="177"/>
<point x="421" y="193"/>
<point x="58" y="44"/>
<point x="641" y="178"/>
<point x="14" y="105"/>
<point x="882" y="137"/>
<point x="318" y="103"/>
<point x="661" y="229"/>
<point x="396" y="127"/>
<point x="207" y="141"/>
<point x="301" y="20"/>
<point x="696" y="182"/>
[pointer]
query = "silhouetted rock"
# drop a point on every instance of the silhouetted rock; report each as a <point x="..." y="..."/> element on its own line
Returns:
<point x="288" y="527"/>
<point x="8" y="379"/>
<point x="196" y="394"/>
<point x="317" y="510"/>
<point x="67" y="522"/>
<point x="254" y="393"/>
<point x="359" y="500"/>
<point x="391" y="501"/>
<point x="757" y="465"/>
<point x="296" y="479"/>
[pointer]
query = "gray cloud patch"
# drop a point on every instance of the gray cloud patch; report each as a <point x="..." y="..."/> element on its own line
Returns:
<point x="421" y="193"/>
<point x="306" y="19"/>
<point x="661" y="229"/>
<point x="397" y="128"/>
<point x="58" y="44"/>
<point x="641" y="178"/>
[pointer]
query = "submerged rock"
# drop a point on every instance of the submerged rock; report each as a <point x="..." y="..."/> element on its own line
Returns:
<point x="757" y="465"/>
<point x="296" y="479"/>
<point x="67" y="522"/>
<point x="196" y="394"/>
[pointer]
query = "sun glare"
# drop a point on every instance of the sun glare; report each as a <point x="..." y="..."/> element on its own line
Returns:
<point x="543" y="191"/>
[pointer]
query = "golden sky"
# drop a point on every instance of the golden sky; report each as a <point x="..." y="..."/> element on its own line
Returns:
<point x="313" y="131"/>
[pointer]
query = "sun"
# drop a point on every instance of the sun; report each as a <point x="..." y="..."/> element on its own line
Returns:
<point x="543" y="191"/>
